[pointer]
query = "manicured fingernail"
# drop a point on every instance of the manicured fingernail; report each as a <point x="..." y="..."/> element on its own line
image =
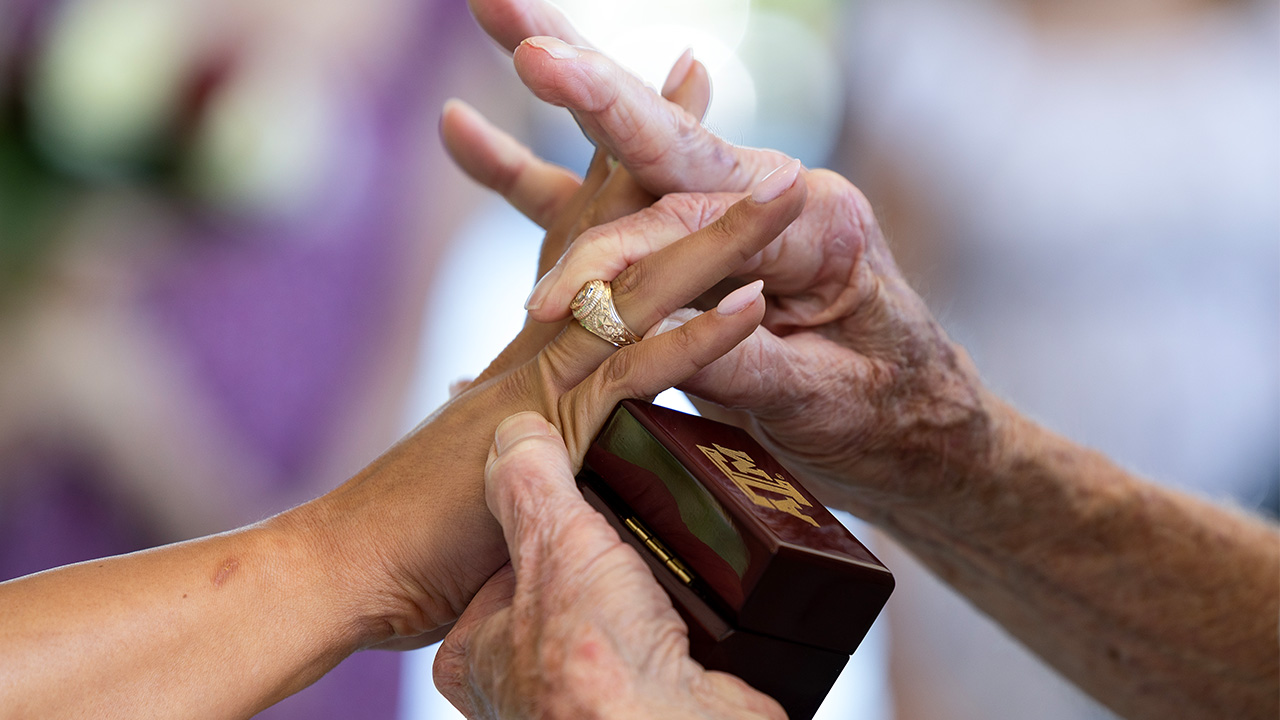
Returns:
<point x="776" y="182"/>
<point x="518" y="427"/>
<point x="740" y="299"/>
<point x="542" y="289"/>
<point x="557" y="49"/>
<point x="678" y="73"/>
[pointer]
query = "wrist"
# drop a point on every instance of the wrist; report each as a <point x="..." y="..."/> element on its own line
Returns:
<point x="918" y="440"/>
<point x="408" y="540"/>
<point x="316" y="564"/>
<point x="989" y="480"/>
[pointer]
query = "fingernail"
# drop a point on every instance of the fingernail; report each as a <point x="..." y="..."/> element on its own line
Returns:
<point x="541" y="289"/>
<point x="557" y="49"/>
<point x="776" y="182"/>
<point x="518" y="427"/>
<point x="678" y="73"/>
<point x="740" y="299"/>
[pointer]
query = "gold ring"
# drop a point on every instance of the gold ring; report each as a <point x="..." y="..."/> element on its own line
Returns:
<point x="593" y="308"/>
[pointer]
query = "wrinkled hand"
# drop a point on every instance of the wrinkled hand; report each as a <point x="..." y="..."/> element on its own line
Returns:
<point x="575" y="626"/>
<point x="852" y="382"/>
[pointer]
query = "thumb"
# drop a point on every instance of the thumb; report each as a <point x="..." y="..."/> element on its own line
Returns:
<point x="529" y="483"/>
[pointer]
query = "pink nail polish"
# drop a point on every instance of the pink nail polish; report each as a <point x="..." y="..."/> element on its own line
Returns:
<point x="557" y="49"/>
<point x="776" y="183"/>
<point x="678" y="73"/>
<point x="740" y="299"/>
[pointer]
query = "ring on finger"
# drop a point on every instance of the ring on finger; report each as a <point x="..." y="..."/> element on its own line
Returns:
<point x="593" y="308"/>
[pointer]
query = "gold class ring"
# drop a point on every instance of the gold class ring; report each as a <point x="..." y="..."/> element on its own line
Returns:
<point x="593" y="308"/>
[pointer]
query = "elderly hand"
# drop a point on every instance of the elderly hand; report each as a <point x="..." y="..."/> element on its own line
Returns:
<point x="575" y="626"/>
<point x="851" y="381"/>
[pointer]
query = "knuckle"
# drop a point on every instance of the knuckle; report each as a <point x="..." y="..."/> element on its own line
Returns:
<point x="729" y="225"/>
<point x="692" y="138"/>
<point x="739" y="232"/>
<point x="584" y="240"/>
<point x="616" y="373"/>
<point x="683" y="341"/>
<point x="689" y="126"/>
<point x="595" y="242"/>
<point x="842" y="195"/>
<point x="643" y="146"/>
<point x="626" y="127"/>
<point x="504" y="180"/>
<point x="629" y="280"/>
<point x="692" y="211"/>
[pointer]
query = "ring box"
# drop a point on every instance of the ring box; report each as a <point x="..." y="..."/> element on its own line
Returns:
<point x="773" y="588"/>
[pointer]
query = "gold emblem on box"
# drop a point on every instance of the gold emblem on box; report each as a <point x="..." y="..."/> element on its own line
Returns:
<point x="773" y="492"/>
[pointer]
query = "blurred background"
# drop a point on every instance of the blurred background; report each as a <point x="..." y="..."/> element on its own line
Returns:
<point x="230" y="245"/>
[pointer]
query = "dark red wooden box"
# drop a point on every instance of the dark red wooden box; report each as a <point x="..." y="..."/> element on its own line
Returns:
<point x="774" y="589"/>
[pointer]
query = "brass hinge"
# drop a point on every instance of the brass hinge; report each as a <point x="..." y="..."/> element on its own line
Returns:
<point x="673" y="563"/>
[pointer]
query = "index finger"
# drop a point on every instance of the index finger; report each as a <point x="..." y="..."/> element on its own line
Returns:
<point x="666" y="148"/>
<point x="669" y="151"/>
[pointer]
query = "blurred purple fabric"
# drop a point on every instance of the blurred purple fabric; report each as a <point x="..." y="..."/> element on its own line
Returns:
<point x="277" y="324"/>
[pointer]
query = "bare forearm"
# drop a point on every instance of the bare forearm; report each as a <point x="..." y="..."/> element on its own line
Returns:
<point x="218" y="627"/>
<point x="1159" y="604"/>
<point x="224" y="626"/>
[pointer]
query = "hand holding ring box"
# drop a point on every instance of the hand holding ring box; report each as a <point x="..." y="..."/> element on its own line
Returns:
<point x="773" y="588"/>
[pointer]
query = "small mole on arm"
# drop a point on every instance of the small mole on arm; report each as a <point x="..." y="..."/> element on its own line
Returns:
<point x="226" y="569"/>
